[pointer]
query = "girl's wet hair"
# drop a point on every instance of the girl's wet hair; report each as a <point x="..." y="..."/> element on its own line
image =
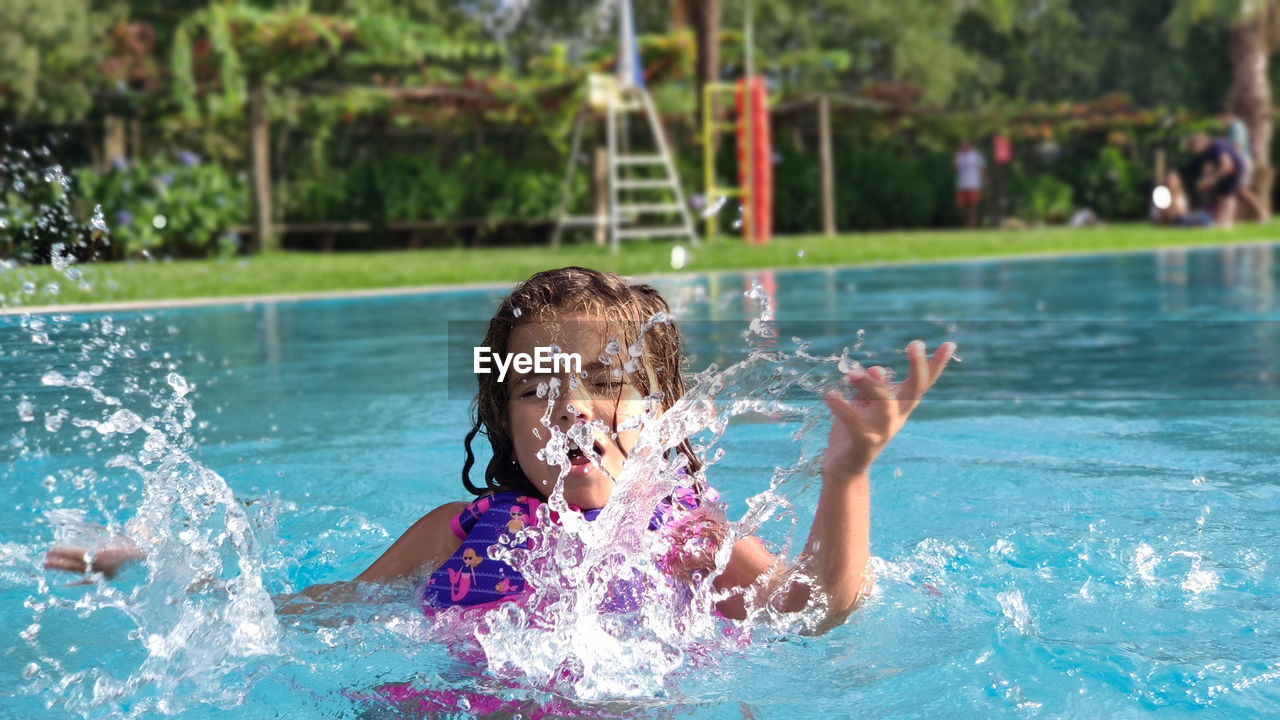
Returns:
<point x="621" y="307"/>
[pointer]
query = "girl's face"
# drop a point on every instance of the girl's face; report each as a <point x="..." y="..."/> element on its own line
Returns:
<point x="599" y="397"/>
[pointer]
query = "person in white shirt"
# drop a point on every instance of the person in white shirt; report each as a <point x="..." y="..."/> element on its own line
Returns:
<point x="971" y="175"/>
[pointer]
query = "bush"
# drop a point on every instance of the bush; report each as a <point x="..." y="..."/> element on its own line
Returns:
<point x="1107" y="182"/>
<point x="1040" y="199"/>
<point x="394" y="187"/>
<point x="877" y="188"/>
<point x="184" y="208"/>
<point x="797" y="192"/>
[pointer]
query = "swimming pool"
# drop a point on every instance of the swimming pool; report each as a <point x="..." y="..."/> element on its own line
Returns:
<point x="1079" y="521"/>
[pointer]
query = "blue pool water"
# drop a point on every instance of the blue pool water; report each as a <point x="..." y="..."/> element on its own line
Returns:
<point x="1080" y="520"/>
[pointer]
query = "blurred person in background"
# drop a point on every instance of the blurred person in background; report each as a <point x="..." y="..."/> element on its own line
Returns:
<point x="1218" y="169"/>
<point x="1238" y="136"/>
<point x="971" y="176"/>
<point x="1176" y="210"/>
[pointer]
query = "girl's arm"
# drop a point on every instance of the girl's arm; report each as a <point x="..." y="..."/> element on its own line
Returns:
<point x="837" y="553"/>
<point x="420" y="550"/>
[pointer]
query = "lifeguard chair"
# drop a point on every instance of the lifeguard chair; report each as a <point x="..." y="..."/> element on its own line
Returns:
<point x="644" y="195"/>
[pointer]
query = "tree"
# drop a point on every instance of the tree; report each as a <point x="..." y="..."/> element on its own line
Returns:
<point x="704" y="16"/>
<point x="249" y="51"/>
<point x="48" y="65"/>
<point x="1252" y="40"/>
<point x="1082" y="50"/>
<point x="854" y="45"/>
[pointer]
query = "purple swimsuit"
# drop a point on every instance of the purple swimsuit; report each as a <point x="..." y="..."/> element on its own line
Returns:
<point x="470" y="577"/>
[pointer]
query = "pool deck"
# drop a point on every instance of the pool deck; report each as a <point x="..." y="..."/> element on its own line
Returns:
<point x="264" y="298"/>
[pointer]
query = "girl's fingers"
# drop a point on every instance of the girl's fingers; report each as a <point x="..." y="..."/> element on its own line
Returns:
<point x="871" y="384"/>
<point x="939" y="361"/>
<point x="919" y="378"/>
<point x="924" y="370"/>
<point x="845" y="413"/>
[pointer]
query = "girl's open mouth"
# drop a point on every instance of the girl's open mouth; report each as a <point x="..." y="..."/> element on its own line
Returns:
<point x="578" y="458"/>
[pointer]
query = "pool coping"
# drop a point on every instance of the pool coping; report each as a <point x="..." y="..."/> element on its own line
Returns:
<point x="263" y="298"/>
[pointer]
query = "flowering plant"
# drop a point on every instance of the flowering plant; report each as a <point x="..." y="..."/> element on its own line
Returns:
<point x="156" y="205"/>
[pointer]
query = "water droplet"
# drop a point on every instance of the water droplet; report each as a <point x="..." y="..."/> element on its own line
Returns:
<point x="55" y="174"/>
<point x="1197" y="480"/>
<point x="26" y="411"/>
<point x="121" y="421"/>
<point x="517" y="312"/>
<point x="179" y="384"/>
<point x="800" y="254"/>
<point x="53" y="378"/>
<point x="98" y="221"/>
<point x="53" y="421"/>
<point x="52" y="289"/>
<point x="28" y="288"/>
<point x="159" y="221"/>
<point x="714" y="207"/>
<point x="57" y="258"/>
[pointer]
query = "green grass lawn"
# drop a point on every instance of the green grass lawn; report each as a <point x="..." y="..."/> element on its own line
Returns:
<point x="292" y="272"/>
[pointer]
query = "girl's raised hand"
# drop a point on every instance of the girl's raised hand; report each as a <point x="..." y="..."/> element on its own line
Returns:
<point x="865" y="424"/>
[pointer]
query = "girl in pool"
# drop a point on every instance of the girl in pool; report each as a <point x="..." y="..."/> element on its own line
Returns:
<point x="593" y="418"/>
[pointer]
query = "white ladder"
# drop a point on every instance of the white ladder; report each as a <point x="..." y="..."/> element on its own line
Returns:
<point x="626" y="210"/>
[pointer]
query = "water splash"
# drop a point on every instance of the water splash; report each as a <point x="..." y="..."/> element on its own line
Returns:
<point x="619" y="611"/>
<point x="202" y="605"/>
<point x="1015" y="609"/>
<point x="184" y="634"/>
